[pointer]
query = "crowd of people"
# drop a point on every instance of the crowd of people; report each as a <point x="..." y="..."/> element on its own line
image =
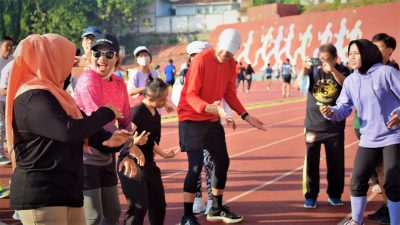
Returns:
<point x="63" y="144"/>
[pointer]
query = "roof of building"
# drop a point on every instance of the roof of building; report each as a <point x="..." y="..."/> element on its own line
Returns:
<point x="200" y="2"/>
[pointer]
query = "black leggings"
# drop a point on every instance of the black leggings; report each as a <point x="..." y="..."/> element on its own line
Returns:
<point x="213" y="139"/>
<point x="365" y="163"/>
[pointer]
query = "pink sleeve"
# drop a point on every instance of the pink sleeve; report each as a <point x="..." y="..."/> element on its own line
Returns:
<point x="125" y="123"/>
<point x="89" y="93"/>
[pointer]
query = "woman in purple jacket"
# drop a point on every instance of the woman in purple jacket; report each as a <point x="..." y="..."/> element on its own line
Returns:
<point x="374" y="90"/>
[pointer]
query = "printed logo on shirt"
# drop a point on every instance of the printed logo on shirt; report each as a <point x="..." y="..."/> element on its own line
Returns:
<point x="325" y="91"/>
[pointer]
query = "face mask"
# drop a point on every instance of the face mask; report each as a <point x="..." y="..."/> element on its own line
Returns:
<point x="143" y="61"/>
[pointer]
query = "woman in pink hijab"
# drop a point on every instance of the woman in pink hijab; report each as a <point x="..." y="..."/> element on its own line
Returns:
<point x="47" y="131"/>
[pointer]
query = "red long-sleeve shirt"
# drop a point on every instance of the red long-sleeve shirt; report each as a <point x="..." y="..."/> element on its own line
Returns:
<point x="208" y="81"/>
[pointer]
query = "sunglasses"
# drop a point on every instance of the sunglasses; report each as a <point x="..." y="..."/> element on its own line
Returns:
<point x="108" y="54"/>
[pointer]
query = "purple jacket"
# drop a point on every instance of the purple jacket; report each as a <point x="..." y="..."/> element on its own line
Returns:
<point x="375" y="96"/>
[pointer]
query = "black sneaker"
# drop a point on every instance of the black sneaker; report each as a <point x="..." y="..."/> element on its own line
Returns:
<point x="380" y="213"/>
<point x="189" y="220"/>
<point x="385" y="220"/>
<point x="223" y="214"/>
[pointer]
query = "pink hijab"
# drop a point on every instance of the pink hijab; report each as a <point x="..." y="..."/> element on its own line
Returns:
<point x="41" y="62"/>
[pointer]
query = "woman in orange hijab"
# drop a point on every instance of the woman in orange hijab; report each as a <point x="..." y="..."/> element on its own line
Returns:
<point x="47" y="130"/>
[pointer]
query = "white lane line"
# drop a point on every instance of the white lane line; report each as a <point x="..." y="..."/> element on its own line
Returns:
<point x="348" y="216"/>
<point x="274" y="180"/>
<point x="256" y="115"/>
<point x="242" y="153"/>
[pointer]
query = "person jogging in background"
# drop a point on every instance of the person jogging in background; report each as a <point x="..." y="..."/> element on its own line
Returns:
<point x="170" y="72"/>
<point x="210" y="78"/>
<point x="373" y="90"/>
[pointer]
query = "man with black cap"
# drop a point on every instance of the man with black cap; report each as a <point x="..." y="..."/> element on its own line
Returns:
<point x="210" y="78"/>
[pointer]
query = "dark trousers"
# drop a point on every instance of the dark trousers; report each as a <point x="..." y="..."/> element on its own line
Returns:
<point x="145" y="192"/>
<point x="194" y="137"/>
<point x="334" y="151"/>
<point x="248" y="83"/>
<point x="365" y="163"/>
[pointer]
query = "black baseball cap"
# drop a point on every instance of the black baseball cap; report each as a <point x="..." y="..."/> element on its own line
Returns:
<point x="107" y="40"/>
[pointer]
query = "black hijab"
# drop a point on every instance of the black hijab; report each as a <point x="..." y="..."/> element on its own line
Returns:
<point x="370" y="54"/>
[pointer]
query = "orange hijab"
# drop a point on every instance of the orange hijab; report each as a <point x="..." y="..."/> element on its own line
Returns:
<point x="41" y="62"/>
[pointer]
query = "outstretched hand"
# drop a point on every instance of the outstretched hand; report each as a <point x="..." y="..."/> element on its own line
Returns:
<point x="255" y="122"/>
<point x="230" y="122"/>
<point x="119" y="137"/>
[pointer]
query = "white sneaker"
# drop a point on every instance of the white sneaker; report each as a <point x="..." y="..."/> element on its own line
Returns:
<point x="15" y="216"/>
<point x="209" y="206"/>
<point x="198" y="206"/>
<point x="376" y="189"/>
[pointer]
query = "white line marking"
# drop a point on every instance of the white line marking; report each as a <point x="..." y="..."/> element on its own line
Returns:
<point x="257" y="115"/>
<point x="274" y="180"/>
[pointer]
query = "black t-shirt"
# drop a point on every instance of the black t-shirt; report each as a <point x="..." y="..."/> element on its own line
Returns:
<point x="145" y="121"/>
<point x="328" y="90"/>
<point x="48" y="149"/>
<point x="393" y="63"/>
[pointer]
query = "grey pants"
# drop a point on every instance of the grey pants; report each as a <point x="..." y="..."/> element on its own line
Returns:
<point x="102" y="206"/>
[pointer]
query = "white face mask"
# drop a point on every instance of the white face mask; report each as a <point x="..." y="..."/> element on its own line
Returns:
<point x="143" y="61"/>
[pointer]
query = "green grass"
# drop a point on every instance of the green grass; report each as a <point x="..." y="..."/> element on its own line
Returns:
<point x="337" y="5"/>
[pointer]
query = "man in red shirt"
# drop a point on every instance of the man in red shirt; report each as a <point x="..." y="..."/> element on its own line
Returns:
<point x="210" y="78"/>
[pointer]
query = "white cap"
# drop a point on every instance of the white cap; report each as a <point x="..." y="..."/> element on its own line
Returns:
<point x="140" y="49"/>
<point x="229" y="40"/>
<point x="197" y="46"/>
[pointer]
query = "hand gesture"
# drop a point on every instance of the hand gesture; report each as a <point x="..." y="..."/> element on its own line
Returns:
<point x="168" y="107"/>
<point x="171" y="153"/>
<point x="326" y="111"/>
<point x="141" y="139"/>
<point x="213" y="108"/>
<point x="135" y="152"/>
<point x="118" y="114"/>
<point x="129" y="165"/>
<point x="255" y="122"/>
<point x="230" y="122"/>
<point x="327" y="66"/>
<point x="393" y="121"/>
<point x="119" y="137"/>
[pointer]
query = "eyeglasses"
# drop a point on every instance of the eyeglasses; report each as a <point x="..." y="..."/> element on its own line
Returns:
<point x="108" y="54"/>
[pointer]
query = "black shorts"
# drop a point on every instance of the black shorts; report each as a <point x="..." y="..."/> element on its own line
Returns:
<point x="199" y="135"/>
<point x="99" y="176"/>
<point x="286" y="78"/>
<point x="268" y="77"/>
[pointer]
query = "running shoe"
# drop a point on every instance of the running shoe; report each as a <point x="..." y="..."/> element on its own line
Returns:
<point x="380" y="213"/>
<point x="352" y="222"/>
<point x="4" y="192"/>
<point x="223" y="214"/>
<point x="335" y="201"/>
<point x="4" y="161"/>
<point x="198" y="206"/>
<point x="189" y="220"/>
<point x="310" y="203"/>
